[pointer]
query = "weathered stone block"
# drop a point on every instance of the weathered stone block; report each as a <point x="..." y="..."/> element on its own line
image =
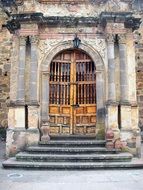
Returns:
<point x="33" y="117"/>
<point x="16" y="141"/>
<point x="32" y="136"/>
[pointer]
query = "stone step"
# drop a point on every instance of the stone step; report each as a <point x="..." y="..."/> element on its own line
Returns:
<point x="73" y="143"/>
<point x="72" y="137"/>
<point x="69" y="150"/>
<point x="122" y="157"/>
<point x="13" y="163"/>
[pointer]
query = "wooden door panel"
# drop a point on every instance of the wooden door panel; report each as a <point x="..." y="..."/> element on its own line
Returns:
<point x="59" y="94"/>
<point x="72" y="95"/>
<point x="65" y="110"/>
<point x="54" y="110"/>
<point x="85" y="112"/>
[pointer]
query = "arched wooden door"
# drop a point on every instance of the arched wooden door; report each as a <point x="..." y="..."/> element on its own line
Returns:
<point x="72" y="94"/>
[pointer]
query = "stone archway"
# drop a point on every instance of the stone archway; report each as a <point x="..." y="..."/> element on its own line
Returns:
<point x="100" y="82"/>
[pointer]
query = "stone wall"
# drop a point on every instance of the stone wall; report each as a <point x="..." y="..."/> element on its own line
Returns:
<point x="5" y="65"/>
<point x="139" y="73"/>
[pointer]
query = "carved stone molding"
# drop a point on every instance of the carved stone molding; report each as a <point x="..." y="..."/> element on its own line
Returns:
<point x="98" y="44"/>
<point x="122" y="38"/>
<point x="110" y="38"/>
<point x="22" y="41"/>
<point x="34" y="39"/>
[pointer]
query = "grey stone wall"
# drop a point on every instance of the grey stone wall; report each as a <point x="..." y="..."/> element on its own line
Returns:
<point x="5" y="66"/>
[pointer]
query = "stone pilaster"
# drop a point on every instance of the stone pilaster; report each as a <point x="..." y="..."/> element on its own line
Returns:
<point x="112" y="105"/>
<point x="33" y="71"/>
<point x="16" y="133"/>
<point x="129" y="128"/>
<point x="45" y="128"/>
<point x="123" y="68"/>
<point x="111" y="68"/>
<point x="125" y="107"/>
<point x="33" y="134"/>
<point x="21" y="71"/>
<point x="45" y="97"/>
<point x="100" y="125"/>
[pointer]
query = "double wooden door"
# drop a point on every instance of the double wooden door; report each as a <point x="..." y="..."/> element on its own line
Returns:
<point x="72" y="94"/>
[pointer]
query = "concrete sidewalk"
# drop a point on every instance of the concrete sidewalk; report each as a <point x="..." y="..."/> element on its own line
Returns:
<point x="69" y="180"/>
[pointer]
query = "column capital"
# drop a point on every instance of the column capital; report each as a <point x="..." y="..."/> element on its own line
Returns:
<point x="34" y="39"/>
<point x="110" y="38"/>
<point x="122" y="38"/>
<point x="22" y="40"/>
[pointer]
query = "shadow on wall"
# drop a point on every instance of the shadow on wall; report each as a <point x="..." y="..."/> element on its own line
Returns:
<point x="3" y="133"/>
<point x="141" y="128"/>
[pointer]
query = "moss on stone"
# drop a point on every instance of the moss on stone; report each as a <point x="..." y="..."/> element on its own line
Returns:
<point x="100" y="134"/>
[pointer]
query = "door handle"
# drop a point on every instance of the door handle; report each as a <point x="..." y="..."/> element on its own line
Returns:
<point x="75" y="105"/>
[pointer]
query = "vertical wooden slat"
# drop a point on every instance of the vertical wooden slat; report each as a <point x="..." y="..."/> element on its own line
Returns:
<point x="66" y="100"/>
<point x="68" y="94"/>
<point x="58" y="72"/>
<point x="68" y="72"/>
<point x="84" y="71"/>
<point x="91" y="72"/>
<point x="81" y="95"/>
<point x="50" y="93"/>
<point x="62" y="94"/>
<point x="55" y="72"/>
<point x="76" y="71"/>
<point x="90" y="93"/>
<point x="59" y="93"/>
<point x="52" y="71"/>
<point x="54" y="92"/>
<point x="87" y="71"/>
<point x="84" y="86"/>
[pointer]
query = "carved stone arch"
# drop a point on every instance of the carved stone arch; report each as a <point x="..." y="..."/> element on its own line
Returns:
<point x="100" y="80"/>
<point x="69" y="45"/>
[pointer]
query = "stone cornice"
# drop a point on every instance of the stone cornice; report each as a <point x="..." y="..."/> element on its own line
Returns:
<point x="120" y="17"/>
<point x="70" y="21"/>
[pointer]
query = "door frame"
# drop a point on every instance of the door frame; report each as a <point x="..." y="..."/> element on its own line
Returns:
<point x="100" y="82"/>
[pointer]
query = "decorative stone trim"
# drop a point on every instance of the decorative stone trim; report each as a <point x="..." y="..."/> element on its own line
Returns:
<point x="22" y="40"/>
<point x="105" y="17"/>
<point x="112" y="103"/>
<point x="122" y="38"/>
<point x="33" y="103"/>
<point x="16" y="103"/>
<point x="125" y="103"/>
<point x="110" y="38"/>
<point x="34" y="39"/>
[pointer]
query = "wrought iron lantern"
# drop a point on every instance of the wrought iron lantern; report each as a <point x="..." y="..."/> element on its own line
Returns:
<point x="76" y="42"/>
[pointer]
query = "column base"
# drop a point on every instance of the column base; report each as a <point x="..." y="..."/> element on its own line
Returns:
<point x="19" y="138"/>
<point x="112" y="119"/>
<point x="16" y="117"/>
<point x="15" y="141"/>
<point x="131" y="142"/>
<point x="32" y="137"/>
<point x="33" y="117"/>
<point x="112" y="130"/>
<point x="130" y="132"/>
